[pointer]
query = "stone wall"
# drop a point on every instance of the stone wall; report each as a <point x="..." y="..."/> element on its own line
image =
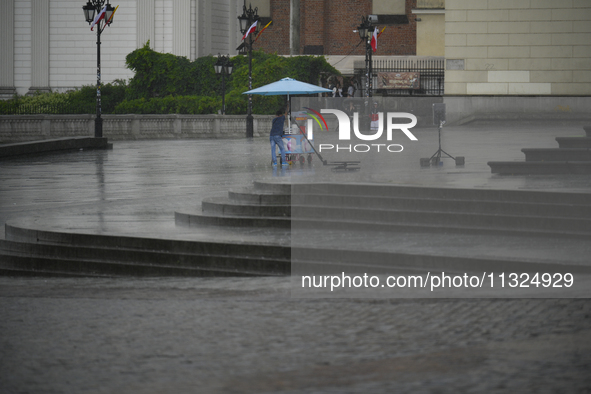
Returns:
<point x="518" y="47"/>
<point x="21" y="128"/>
<point x="464" y="109"/>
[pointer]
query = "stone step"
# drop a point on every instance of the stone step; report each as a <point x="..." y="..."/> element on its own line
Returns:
<point x="353" y="209"/>
<point x="57" y="266"/>
<point x="19" y="269"/>
<point x="574" y="142"/>
<point x="250" y="196"/>
<point x="540" y="168"/>
<point x="401" y="208"/>
<point x="54" y="252"/>
<point x="195" y="219"/>
<point x="309" y="260"/>
<point x="21" y="233"/>
<point x="455" y="219"/>
<point x="313" y="259"/>
<point x="565" y="155"/>
<point x="422" y="222"/>
<point x="300" y="191"/>
<point x="449" y="205"/>
<point x="273" y="187"/>
<point x="556" y="204"/>
<point x="134" y="258"/>
<point x="228" y="207"/>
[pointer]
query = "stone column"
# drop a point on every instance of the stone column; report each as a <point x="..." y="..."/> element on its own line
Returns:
<point x="234" y="10"/>
<point x="203" y="29"/>
<point x="40" y="46"/>
<point x="7" y="89"/>
<point x="181" y="33"/>
<point x="145" y="22"/>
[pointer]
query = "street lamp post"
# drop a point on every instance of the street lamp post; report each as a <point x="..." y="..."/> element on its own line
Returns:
<point x="248" y="17"/>
<point x="103" y="18"/>
<point x="223" y="66"/>
<point x="366" y="30"/>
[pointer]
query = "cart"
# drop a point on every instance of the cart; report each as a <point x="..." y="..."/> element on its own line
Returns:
<point x="298" y="148"/>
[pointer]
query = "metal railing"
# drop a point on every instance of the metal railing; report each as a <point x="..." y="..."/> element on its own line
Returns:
<point x="431" y="73"/>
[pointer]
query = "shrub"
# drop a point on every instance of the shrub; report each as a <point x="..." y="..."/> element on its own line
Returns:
<point x="170" y="105"/>
<point x="80" y="101"/>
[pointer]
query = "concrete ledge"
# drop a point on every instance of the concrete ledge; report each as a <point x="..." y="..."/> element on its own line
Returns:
<point x="56" y="145"/>
<point x="564" y="154"/>
<point x="540" y="167"/>
<point x="465" y="109"/>
<point x="574" y="142"/>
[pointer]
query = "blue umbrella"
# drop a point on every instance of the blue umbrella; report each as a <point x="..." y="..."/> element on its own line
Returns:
<point x="288" y="86"/>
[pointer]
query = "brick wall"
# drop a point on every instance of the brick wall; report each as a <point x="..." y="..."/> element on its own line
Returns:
<point x="276" y="37"/>
<point x="328" y="25"/>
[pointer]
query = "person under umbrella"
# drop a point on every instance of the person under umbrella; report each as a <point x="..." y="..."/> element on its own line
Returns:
<point x="276" y="138"/>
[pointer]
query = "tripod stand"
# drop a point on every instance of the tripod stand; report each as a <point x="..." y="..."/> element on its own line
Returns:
<point x="435" y="160"/>
<point x="437" y="155"/>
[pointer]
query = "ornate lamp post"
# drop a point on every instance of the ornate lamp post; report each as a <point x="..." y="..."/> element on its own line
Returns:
<point x="103" y="18"/>
<point x="248" y="17"/>
<point x="223" y="66"/>
<point x="366" y="30"/>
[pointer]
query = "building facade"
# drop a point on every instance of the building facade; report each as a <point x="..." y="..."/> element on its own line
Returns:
<point x="47" y="44"/>
<point x="328" y="27"/>
<point x="491" y="47"/>
<point x="518" y="47"/>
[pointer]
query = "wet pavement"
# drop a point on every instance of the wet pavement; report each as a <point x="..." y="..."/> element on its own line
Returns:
<point x="249" y="335"/>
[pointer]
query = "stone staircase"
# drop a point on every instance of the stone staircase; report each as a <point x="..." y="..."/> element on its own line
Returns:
<point x="371" y="209"/>
<point x="398" y="208"/>
<point x="269" y="208"/>
<point x="52" y="253"/>
<point x="573" y="156"/>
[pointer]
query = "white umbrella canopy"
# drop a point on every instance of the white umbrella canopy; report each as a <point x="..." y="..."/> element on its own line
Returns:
<point x="288" y="86"/>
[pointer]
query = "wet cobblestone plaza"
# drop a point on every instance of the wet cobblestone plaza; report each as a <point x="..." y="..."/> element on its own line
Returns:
<point x="249" y="335"/>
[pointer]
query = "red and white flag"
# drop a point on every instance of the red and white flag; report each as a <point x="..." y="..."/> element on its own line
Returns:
<point x="374" y="40"/>
<point x="99" y="17"/>
<point x="250" y="30"/>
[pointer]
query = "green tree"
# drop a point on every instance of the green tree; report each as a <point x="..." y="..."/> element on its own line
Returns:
<point x="164" y="83"/>
<point x="162" y="74"/>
